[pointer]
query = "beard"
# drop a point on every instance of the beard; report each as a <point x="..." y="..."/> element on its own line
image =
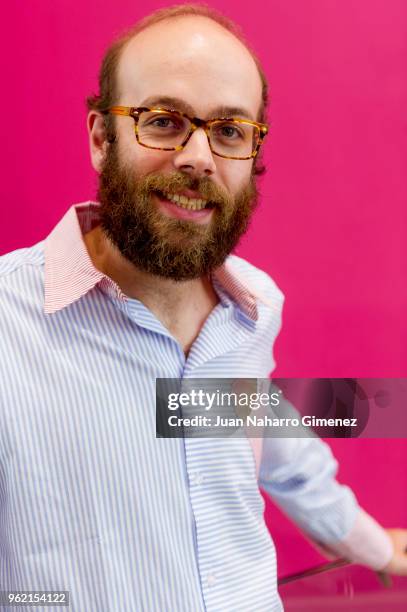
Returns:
<point x="168" y="247"/>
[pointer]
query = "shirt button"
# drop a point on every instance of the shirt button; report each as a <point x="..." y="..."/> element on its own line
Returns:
<point x="211" y="579"/>
<point x="197" y="478"/>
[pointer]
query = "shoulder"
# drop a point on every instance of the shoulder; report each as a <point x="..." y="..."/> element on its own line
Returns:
<point x="20" y="270"/>
<point x="256" y="280"/>
<point x="30" y="257"/>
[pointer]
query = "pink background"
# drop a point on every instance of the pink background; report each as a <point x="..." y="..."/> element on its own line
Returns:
<point x="331" y="228"/>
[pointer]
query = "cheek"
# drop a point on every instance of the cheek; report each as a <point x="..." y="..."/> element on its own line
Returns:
<point x="142" y="159"/>
<point x="235" y="174"/>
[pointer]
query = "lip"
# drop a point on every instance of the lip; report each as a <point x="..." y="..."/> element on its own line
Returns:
<point x="170" y="209"/>
<point x="188" y="193"/>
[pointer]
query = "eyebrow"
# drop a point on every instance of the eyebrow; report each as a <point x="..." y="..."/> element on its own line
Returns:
<point x="180" y="105"/>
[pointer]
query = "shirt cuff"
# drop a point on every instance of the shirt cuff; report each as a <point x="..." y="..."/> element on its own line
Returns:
<point x="367" y="543"/>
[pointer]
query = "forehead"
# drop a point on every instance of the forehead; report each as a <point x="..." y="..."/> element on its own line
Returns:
<point x="191" y="58"/>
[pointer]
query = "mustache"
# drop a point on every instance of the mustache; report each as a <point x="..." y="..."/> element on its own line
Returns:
<point x="178" y="181"/>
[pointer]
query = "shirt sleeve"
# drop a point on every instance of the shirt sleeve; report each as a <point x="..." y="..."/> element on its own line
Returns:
<point x="299" y="474"/>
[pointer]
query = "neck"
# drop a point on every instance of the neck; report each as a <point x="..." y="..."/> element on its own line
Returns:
<point x="182" y="306"/>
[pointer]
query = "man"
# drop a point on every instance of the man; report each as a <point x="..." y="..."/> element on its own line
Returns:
<point x="140" y="287"/>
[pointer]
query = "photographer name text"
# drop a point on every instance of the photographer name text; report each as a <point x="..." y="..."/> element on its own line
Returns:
<point x="258" y="421"/>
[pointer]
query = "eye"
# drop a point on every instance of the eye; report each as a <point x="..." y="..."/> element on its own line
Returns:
<point x="162" y="122"/>
<point x="229" y="131"/>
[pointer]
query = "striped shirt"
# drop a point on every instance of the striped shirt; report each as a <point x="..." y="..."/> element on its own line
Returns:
<point x="91" y="501"/>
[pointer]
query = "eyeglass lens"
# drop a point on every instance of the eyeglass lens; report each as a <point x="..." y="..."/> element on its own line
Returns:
<point x="159" y="129"/>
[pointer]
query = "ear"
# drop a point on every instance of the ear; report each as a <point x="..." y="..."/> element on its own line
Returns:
<point x="97" y="139"/>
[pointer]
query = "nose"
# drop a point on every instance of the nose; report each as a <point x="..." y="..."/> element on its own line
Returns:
<point x="196" y="157"/>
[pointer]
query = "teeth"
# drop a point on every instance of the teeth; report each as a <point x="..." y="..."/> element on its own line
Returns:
<point x="184" y="202"/>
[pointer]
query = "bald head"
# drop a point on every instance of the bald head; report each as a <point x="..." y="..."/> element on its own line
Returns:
<point x="192" y="59"/>
<point x="108" y="94"/>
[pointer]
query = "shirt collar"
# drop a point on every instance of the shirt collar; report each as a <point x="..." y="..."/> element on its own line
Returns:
<point x="70" y="273"/>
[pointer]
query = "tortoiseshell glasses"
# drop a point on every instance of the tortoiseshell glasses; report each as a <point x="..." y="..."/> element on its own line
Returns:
<point x="169" y="130"/>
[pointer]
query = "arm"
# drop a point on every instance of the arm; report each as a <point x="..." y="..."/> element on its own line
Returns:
<point x="299" y="473"/>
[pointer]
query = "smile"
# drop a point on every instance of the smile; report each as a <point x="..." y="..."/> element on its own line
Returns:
<point x="179" y="206"/>
<point x="187" y="203"/>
